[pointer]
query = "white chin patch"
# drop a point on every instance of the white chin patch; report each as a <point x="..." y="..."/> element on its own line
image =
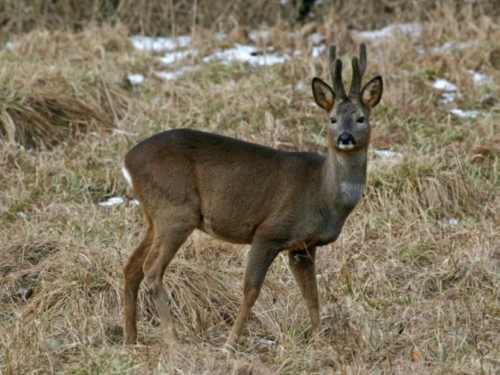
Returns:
<point x="349" y="146"/>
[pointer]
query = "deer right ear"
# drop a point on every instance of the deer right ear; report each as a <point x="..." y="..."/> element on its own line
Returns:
<point x="323" y="94"/>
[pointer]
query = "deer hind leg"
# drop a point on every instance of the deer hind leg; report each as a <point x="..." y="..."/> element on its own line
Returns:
<point x="304" y="271"/>
<point x="166" y="243"/>
<point x="133" y="275"/>
<point x="260" y="257"/>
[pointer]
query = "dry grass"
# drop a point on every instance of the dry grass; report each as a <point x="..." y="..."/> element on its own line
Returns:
<point x="412" y="285"/>
<point x="55" y="85"/>
<point x="159" y="17"/>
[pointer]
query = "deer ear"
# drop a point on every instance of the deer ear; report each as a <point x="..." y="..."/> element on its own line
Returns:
<point x="323" y="94"/>
<point x="372" y="92"/>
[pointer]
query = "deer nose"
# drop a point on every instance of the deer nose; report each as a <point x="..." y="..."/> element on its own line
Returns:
<point x="346" y="141"/>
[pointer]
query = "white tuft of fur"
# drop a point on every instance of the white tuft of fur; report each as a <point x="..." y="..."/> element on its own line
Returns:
<point x="351" y="192"/>
<point x="127" y="176"/>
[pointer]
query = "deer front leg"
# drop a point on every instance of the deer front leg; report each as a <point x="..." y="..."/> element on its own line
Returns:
<point x="260" y="257"/>
<point x="304" y="271"/>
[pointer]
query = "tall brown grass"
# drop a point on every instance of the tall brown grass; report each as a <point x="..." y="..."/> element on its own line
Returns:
<point x="160" y="17"/>
<point x="48" y="99"/>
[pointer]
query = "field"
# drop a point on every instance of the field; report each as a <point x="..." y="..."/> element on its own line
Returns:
<point x="411" y="286"/>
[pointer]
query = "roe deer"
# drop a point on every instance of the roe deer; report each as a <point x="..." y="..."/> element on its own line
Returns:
<point x="250" y="194"/>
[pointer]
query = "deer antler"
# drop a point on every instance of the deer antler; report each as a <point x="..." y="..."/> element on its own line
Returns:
<point x="336" y="73"/>
<point x="362" y="59"/>
<point x="358" y="70"/>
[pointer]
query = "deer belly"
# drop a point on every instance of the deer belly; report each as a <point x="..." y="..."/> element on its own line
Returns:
<point x="323" y="236"/>
<point x="331" y="232"/>
<point x="241" y="233"/>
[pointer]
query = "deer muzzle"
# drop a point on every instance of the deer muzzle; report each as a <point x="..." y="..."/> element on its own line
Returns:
<point x="346" y="141"/>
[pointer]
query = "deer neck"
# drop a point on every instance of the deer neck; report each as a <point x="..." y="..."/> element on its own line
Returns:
<point x="345" y="178"/>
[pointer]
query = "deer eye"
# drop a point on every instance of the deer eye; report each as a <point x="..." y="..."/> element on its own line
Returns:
<point x="360" y="120"/>
<point x="333" y="120"/>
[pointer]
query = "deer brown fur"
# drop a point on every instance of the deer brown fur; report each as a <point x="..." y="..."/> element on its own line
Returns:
<point x="250" y="194"/>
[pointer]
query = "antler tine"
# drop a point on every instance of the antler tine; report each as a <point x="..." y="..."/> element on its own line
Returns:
<point x="338" y="85"/>
<point x="358" y="70"/>
<point x="332" y="56"/>
<point x="335" y="66"/>
<point x="362" y="59"/>
<point x="356" y="78"/>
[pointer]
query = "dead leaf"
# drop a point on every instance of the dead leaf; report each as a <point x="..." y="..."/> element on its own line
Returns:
<point x="416" y="358"/>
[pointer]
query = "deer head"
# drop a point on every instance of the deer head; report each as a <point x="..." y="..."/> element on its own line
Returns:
<point x="349" y="129"/>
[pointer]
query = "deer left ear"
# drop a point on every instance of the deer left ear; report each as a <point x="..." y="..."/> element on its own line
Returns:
<point x="372" y="92"/>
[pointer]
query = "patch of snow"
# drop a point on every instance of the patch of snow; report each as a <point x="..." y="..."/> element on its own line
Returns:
<point x="442" y="84"/>
<point x="220" y="36"/>
<point x="480" y="79"/>
<point x="453" y="222"/>
<point x="448" y="97"/>
<point x="160" y="44"/>
<point x="386" y="158"/>
<point x="135" y="202"/>
<point x="466" y="114"/>
<point x="387" y="154"/>
<point x="302" y="86"/>
<point x="9" y="46"/>
<point x="112" y="202"/>
<point x="135" y="79"/>
<point x="21" y="214"/>
<point x="412" y="30"/>
<point x="420" y="50"/>
<point x="256" y="35"/>
<point x="449" y="90"/>
<point x="124" y="132"/>
<point x="317" y="51"/>
<point x="316" y="38"/>
<point x="451" y="45"/>
<point x="169" y="76"/>
<point x="284" y="2"/>
<point x="172" y="57"/>
<point x="269" y="343"/>
<point x="265" y="35"/>
<point x="249" y="54"/>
